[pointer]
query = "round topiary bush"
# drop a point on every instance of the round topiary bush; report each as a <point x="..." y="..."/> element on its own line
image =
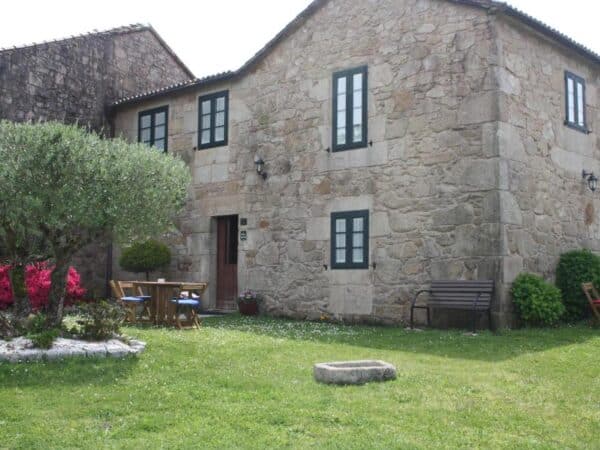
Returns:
<point x="537" y="301"/>
<point x="145" y="257"/>
<point x="576" y="267"/>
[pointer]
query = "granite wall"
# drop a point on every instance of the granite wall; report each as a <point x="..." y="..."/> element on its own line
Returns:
<point x="545" y="206"/>
<point x="425" y="179"/>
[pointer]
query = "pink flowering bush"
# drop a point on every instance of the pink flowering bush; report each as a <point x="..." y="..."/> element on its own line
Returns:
<point x="6" y="293"/>
<point x="37" y="282"/>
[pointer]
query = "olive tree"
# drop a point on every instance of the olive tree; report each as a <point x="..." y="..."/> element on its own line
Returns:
<point x="62" y="188"/>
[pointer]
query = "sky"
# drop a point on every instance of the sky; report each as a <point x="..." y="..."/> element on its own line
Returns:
<point x="214" y="36"/>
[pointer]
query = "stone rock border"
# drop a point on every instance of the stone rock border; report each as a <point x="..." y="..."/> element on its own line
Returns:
<point x="354" y="372"/>
<point x="21" y="350"/>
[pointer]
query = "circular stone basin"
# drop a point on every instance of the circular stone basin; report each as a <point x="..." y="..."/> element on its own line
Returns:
<point x="354" y="372"/>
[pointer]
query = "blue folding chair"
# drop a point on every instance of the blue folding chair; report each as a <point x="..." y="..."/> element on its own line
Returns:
<point x="130" y="302"/>
<point x="188" y="303"/>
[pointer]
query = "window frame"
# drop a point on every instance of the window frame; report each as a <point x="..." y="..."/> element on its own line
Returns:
<point x="576" y="80"/>
<point x="152" y="113"/>
<point x="349" y="216"/>
<point x="349" y="75"/>
<point x="213" y="113"/>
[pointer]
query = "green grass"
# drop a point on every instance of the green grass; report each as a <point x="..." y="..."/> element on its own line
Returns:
<point x="247" y="383"/>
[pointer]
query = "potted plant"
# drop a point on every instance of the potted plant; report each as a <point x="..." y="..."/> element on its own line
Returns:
<point x="248" y="303"/>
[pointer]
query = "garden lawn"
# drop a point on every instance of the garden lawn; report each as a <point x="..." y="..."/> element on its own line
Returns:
<point x="247" y="383"/>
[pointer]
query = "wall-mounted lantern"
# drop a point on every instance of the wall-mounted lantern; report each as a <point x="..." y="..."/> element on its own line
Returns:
<point x="591" y="179"/>
<point x="260" y="167"/>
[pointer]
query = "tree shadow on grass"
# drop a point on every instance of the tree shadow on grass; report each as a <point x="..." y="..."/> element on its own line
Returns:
<point x="456" y="344"/>
<point x="71" y="372"/>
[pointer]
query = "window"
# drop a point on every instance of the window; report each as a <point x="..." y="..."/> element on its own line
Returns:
<point x="350" y="109"/>
<point x="350" y="240"/>
<point x="153" y="127"/>
<point x="575" y="96"/>
<point x="213" y="116"/>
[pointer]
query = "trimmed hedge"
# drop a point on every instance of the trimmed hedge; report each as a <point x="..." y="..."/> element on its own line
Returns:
<point x="574" y="268"/>
<point x="145" y="257"/>
<point x="537" y="301"/>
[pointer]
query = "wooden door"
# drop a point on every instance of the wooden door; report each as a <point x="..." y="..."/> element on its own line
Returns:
<point x="227" y="255"/>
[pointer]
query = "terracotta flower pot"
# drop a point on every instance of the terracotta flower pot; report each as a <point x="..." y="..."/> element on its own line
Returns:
<point x="248" y="309"/>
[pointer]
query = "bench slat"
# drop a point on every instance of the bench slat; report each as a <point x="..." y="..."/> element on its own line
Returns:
<point x="460" y="289"/>
<point x="463" y="286"/>
<point x="445" y="305"/>
<point x="461" y="294"/>
<point x="481" y="300"/>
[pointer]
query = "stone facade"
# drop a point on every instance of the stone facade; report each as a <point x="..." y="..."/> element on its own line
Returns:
<point x="445" y="198"/>
<point x="74" y="80"/>
<point x="545" y="206"/>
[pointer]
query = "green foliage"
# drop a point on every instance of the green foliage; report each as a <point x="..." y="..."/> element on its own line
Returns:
<point x="44" y="339"/>
<point x="36" y="323"/>
<point x="37" y="330"/>
<point x="145" y="257"/>
<point x="537" y="301"/>
<point x="574" y="268"/>
<point x="62" y="188"/>
<point x="99" y="320"/>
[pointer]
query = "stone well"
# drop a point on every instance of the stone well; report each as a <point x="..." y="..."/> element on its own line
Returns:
<point x="354" y="372"/>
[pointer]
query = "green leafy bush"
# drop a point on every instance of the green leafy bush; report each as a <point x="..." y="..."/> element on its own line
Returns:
<point x="100" y="320"/>
<point x="574" y="268"/>
<point x="36" y="323"/>
<point x="537" y="301"/>
<point x="44" y="339"/>
<point x="145" y="257"/>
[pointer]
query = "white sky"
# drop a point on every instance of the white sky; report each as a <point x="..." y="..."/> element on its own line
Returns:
<point x="212" y="36"/>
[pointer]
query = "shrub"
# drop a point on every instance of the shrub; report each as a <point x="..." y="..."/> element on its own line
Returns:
<point x="38" y="333"/>
<point x="36" y="323"/>
<point x="576" y="267"/>
<point x="44" y="339"/>
<point x="37" y="283"/>
<point x="537" y="301"/>
<point x="145" y="257"/>
<point x="6" y="293"/>
<point x="100" y="321"/>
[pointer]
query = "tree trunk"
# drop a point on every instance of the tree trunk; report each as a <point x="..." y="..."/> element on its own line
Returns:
<point x="58" y="289"/>
<point x="22" y="307"/>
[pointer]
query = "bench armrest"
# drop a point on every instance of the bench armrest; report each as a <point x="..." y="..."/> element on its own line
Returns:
<point x="422" y="291"/>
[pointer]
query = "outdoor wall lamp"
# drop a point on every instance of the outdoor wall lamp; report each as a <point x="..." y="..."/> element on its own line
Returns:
<point x="591" y="179"/>
<point x="260" y="167"/>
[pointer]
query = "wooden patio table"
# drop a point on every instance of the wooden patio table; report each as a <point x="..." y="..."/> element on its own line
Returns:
<point x="161" y="307"/>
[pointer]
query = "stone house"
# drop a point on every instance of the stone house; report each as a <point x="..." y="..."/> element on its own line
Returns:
<point x="74" y="80"/>
<point x="374" y="146"/>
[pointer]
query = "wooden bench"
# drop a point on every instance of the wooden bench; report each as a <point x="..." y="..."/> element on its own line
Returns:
<point x="475" y="296"/>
